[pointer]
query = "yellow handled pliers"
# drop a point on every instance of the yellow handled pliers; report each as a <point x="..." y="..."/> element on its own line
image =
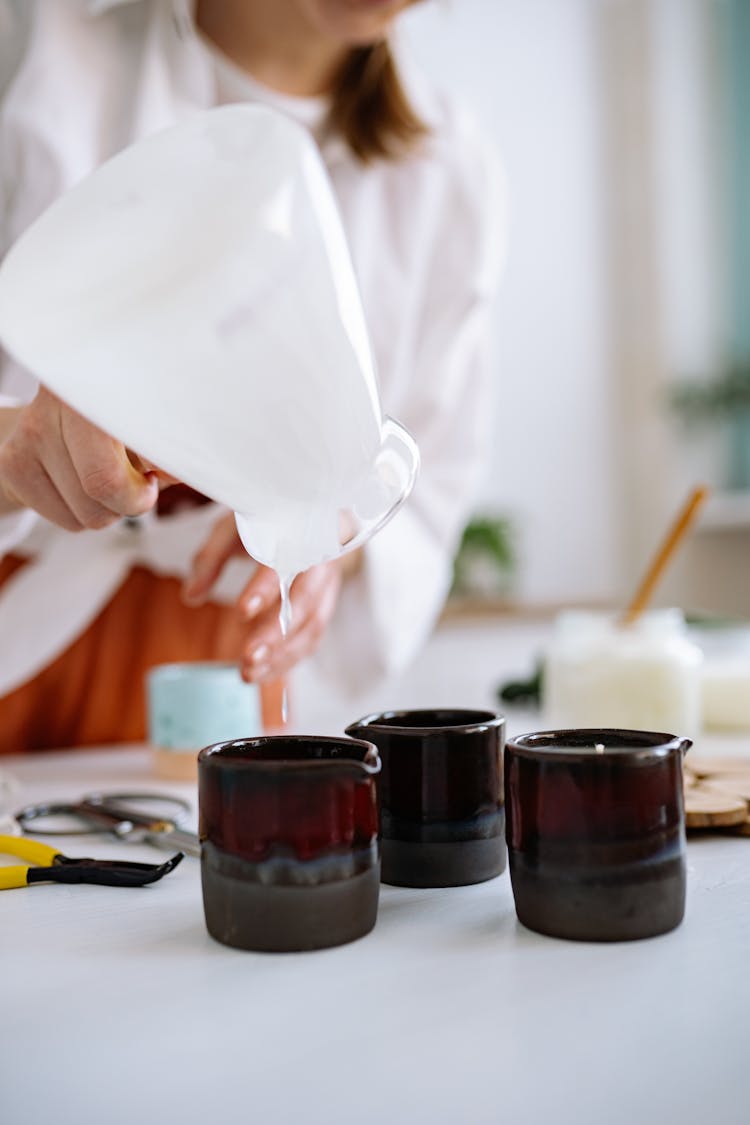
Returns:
<point x="53" y="867"/>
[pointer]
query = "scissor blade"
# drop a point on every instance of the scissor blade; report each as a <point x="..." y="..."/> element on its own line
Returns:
<point x="177" y="838"/>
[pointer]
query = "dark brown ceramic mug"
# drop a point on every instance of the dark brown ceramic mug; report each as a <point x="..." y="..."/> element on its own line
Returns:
<point x="289" y="841"/>
<point x="596" y="832"/>
<point x="440" y="793"/>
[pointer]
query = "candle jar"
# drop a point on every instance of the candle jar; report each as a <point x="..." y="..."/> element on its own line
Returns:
<point x="642" y="676"/>
<point x="441" y="795"/>
<point x="194" y="703"/>
<point x="725" y="680"/>
<point x="596" y="832"/>
<point x="289" y="841"/>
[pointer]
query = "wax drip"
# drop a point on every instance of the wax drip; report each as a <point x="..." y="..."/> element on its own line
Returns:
<point x="285" y="614"/>
<point x="285" y="620"/>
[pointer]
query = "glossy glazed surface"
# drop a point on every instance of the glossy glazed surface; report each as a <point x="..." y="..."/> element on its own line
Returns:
<point x="441" y="787"/>
<point x="289" y="835"/>
<point x="437" y="766"/>
<point x="595" y="832"/>
<point x="304" y="798"/>
<point x="596" y="803"/>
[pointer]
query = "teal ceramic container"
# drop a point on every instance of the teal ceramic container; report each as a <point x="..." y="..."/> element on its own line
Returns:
<point x="193" y="705"/>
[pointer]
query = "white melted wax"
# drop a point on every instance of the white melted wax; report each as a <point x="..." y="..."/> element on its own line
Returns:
<point x="285" y="620"/>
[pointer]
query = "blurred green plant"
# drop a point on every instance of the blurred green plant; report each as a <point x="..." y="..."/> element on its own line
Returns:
<point x="485" y="563"/>
<point x="700" y="402"/>
<point x="724" y="402"/>
<point x="524" y="693"/>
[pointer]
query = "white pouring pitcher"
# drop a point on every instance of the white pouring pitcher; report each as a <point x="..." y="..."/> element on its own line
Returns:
<point x="195" y="298"/>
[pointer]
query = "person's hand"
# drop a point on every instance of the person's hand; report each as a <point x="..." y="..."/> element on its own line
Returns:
<point x="265" y="654"/>
<point x="69" y="470"/>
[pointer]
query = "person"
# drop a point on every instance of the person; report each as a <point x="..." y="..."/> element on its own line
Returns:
<point x="107" y="567"/>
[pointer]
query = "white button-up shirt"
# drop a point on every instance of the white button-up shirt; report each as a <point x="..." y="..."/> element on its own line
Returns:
<point x="79" y="81"/>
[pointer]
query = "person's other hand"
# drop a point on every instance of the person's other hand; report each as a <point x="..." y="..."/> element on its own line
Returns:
<point x="266" y="655"/>
<point x="69" y="470"/>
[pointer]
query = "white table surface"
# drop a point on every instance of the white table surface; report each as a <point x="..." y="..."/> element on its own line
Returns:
<point x="116" y="1006"/>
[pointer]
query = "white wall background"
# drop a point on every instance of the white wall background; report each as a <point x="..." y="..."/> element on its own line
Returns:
<point x="691" y="145"/>
<point x="529" y="70"/>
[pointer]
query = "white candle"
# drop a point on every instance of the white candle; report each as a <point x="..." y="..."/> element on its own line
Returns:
<point x="645" y="676"/>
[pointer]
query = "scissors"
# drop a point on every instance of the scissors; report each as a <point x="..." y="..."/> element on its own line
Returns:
<point x="51" y="866"/>
<point x="124" y="815"/>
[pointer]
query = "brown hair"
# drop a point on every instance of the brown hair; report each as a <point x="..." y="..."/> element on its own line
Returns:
<point x="370" y="108"/>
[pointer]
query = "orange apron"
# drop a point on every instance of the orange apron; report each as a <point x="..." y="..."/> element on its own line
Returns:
<point x="94" y="692"/>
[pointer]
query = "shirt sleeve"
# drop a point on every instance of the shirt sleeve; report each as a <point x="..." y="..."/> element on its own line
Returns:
<point x="15" y="526"/>
<point x="387" y="611"/>
<point x="16" y="20"/>
<point x="15" y="23"/>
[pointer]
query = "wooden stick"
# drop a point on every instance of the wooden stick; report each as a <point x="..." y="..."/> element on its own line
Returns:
<point x="663" y="557"/>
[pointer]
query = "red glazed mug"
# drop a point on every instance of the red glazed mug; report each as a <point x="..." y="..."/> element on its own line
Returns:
<point x="289" y="841"/>
<point x="596" y="832"/>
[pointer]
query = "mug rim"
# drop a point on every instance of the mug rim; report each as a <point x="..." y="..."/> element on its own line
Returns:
<point x="380" y="721"/>
<point x="575" y="744"/>
<point x="178" y="669"/>
<point x="369" y="762"/>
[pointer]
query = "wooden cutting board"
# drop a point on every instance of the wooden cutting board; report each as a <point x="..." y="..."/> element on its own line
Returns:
<point x="717" y="794"/>
<point x="718" y="766"/>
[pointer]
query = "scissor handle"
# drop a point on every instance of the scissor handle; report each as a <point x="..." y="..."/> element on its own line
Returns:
<point x="13" y="877"/>
<point x="32" y="851"/>
<point x="115" y="805"/>
<point x="98" y="819"/>
<point x="103" y="813"/>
